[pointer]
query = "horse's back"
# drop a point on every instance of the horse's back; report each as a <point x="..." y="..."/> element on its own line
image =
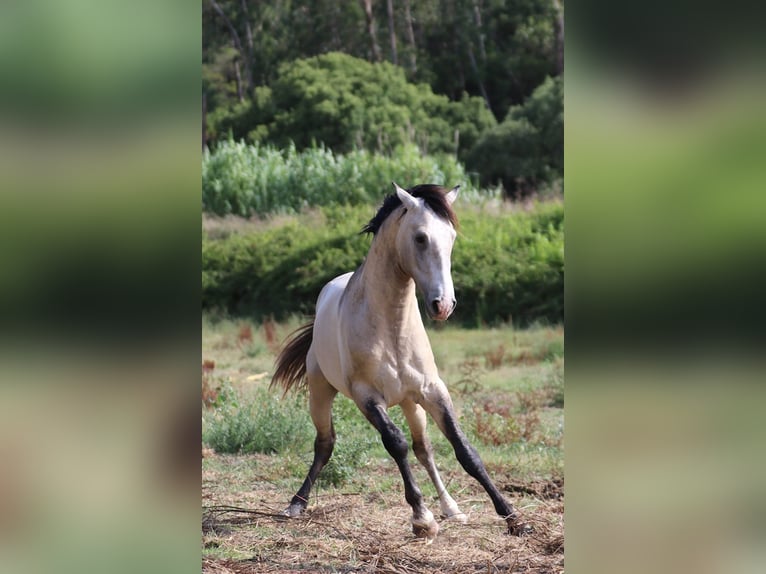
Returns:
<point x="329" y="297"/>
<point x="326" y="328"/>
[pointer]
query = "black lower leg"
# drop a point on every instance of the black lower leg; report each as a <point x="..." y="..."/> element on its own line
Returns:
<point x="323" y="447"/>
<point x="396" y="445"/>
<point x="469" y="459"/>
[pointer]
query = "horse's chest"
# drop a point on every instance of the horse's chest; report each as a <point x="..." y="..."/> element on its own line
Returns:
<point x="394" y="374"/>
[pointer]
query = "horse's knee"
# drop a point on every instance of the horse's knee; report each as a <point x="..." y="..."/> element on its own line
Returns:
<point x="395" y="442"/>
<point x="393" y="438"/>
<point x="422" y="450"/>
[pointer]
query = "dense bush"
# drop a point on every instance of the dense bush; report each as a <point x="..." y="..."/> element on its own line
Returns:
<point x="527" y="149"/>
<point x="347" y="104"/>
<point x="242" y="179"/>
<point x="511" y="267"/>
<point x="506" y="266"/>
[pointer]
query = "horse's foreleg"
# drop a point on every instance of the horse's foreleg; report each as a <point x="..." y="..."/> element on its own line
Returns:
<point x="416" y="419"/>
<point x="321" y="396"/>
<point x="442" y="411"/>
<point x="423" y="523"/>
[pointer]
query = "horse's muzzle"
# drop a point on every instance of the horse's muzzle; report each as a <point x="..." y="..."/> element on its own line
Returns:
<point x="440" y="309"/>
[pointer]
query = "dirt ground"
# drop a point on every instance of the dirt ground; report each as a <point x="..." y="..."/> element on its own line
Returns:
<point x="367" y="529"/>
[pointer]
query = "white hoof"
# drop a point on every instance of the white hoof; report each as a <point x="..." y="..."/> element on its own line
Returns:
<point x="457" y="517"/>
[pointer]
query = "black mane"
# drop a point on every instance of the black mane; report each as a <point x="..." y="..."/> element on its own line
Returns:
<point x="433" y="195"/>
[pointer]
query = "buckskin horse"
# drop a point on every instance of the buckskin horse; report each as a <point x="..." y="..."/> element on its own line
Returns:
<point x="367" y="340"/>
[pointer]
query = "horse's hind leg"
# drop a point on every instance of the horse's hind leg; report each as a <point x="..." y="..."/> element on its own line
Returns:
<point x="439" y="406"/>
<point x="423" y="523"/>
<point x="416" y="419"/>
<point x="321" y="396"/>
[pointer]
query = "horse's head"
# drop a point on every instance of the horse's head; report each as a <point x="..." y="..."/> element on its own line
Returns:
<point x="424" y="242"/>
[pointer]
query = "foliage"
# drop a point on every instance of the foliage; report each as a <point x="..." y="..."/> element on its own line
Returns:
<point x="512" y="44"/>
<point x="322" y="73"/>
<point x="241" y="179"/>
<point x="497" y="48"/>
<point x="346" y="104"/>
<point x="511" y="268"/>
<point x="527" y="149"/>
<point x="266" y="424"/>
<point x="505" y="266"/>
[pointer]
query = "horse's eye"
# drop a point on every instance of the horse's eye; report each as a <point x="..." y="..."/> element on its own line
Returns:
<point x="421" y="239"/>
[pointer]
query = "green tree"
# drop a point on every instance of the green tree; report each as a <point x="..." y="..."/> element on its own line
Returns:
<point x="499" y="50"/>
<point x="346" y="103"/>
<point x="457" y="55"/>
<point x="527" y="149"/>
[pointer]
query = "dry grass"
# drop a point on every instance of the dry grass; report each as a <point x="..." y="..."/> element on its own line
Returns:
<point x="369" y="530"/>
<point x="512" y="377"/>
<point x="209" y="391"/>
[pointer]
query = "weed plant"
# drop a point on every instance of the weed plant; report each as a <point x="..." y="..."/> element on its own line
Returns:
<point x="265" y="424"/>
<point x="246" y="180"/>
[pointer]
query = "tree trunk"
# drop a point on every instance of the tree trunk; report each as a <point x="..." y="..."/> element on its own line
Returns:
<point x="335" y="41"/>
<point x="367" y="5"/>
<point x="411" y="37"/>
<point x="238" y="78"/>
<point x="237" y="45"/>
<point x="392" y="31"/>
<point x="204" y="120"/>
<point x="477" y="20"/>
<point x="475" y="69"/>
<point x="249" y="58"/>
<point x="558" y="28"/>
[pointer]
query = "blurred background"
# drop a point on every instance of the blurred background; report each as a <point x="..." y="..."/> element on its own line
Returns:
<point x="99" y="286"/>
<point x="105" y="116"/>
<point x="665" y="256"/>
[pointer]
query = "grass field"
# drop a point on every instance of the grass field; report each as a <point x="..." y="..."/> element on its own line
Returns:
<point x="508" y="389"/>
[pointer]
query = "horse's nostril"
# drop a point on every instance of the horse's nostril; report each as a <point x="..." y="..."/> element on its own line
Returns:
<point x="435" y="306"/>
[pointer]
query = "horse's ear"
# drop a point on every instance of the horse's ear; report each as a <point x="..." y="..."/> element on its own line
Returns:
<point x="409" y="201"/>
<point x="451" y="195"/>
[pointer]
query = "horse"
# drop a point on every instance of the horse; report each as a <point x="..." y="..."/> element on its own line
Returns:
<point x="367" y="340"/>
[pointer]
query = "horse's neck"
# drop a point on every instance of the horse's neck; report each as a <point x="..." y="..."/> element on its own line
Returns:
<point x="388" y="308"/>
<point x="389" y="292"/>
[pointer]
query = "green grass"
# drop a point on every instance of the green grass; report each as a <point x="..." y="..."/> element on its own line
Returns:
<point x="507" y="385"/>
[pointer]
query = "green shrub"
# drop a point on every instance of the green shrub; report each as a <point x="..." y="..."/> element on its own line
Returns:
<point x="506" y="267"/>
<point x="243" y="180"/>
<point x="511" y="268"/>
<point x="279" y="271"/>
<point x="266" y="424"/>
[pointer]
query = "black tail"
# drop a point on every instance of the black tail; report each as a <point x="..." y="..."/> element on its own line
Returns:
<point x="291" y="363"/>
